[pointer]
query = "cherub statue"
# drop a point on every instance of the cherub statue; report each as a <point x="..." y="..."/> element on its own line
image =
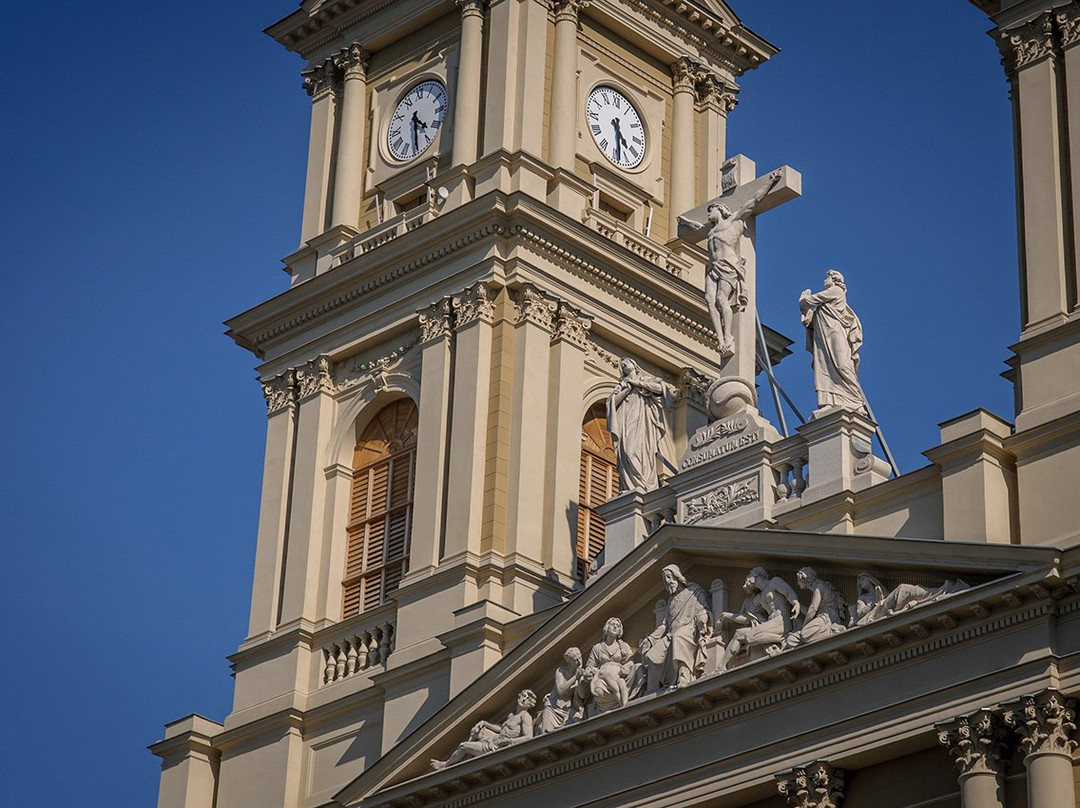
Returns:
<point x="487" y="737"/>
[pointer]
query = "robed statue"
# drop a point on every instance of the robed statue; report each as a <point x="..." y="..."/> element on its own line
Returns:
<point x="635" y="412"/>
<point x="833" y="337"/>
<point x="675" y="653"/>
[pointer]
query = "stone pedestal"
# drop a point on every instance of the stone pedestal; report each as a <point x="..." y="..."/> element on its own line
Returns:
<point x="625" y="528"/>
<point x="840" y="453"/>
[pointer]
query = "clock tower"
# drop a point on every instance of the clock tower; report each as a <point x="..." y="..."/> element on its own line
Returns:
<point x="489" y="226"/>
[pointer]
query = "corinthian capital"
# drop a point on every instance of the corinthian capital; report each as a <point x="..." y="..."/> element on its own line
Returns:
<point x="717" y="91"/>
<point x="352" y="61"/>
<point x="314" y="377"/>
<point x="470" y="8"/>
<point x="976" y="742"/>
<point x="567" y="10"/>
<point x="534" y="307"/>
<point x="571" y="326"/>
<point x="435" y="321"/>
<point x="1045" y="722"/>
<point x="816" y="785"/>
<point x="1068" y="24"/>
<point x="475" y="303"/>
<point x="280" y="393"/>
<point x="685" y="73"/>
<point x="1026" y="44"/>
<point x="320" y="79"/>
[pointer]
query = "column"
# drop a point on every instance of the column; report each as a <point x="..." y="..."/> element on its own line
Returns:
<point x="1046" y="723"/>
<point x="716" y="96"/>
<point x="1068" y="27"/>
<point x="565" y="383"/>
<point x="467" y="99"/>
<point x="684" y="73"/>
<point x="280" y="396"/>
<point x="562" y="130"/>
<point x="815" y="785"/>
<point x="977" y="743"/>
<point x="309" y="532"/>
<point x="432" y="436"/>
<point x="319" y="83"/>
<point x="1033" y="69"/>
<point x="474" y="313"/>
<point x="349" y="171"/>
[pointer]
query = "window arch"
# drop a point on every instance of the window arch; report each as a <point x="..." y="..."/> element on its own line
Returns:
<point x="597" y="483"/>
<point x="380" y="508"/>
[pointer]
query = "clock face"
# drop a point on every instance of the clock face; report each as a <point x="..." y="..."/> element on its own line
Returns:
<point x="417" y="120"/>
<point x="616" y="127"/>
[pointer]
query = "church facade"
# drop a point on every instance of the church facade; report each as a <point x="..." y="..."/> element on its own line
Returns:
<point x="525" y="534"/>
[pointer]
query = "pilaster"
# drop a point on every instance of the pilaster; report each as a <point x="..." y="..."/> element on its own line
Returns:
<point x="1046" y="725"/>
<point x="716" y="97"/>
<point x="562" y="130"/>
<point x="320" y="83"/>
<point x="349" y="169"/>
<point x="1067" y="23"/>
<point x="189" y="763"/>
<point x="977" y="744"/>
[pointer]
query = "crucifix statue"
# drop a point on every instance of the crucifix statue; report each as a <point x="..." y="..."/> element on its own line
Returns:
<point x="726" y="223"/>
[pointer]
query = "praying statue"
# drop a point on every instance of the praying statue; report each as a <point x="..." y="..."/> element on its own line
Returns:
<point x="487" y="737"/>
<point x="635" y="413"/>
<point x="725" y="278"/>
<point x="833" y="337"/>
<point x="675" y="652"/>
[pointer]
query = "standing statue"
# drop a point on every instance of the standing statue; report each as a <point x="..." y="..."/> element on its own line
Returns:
<point x="833" y="337"/>
<point x="724" y="279"/>
<point x="487" y="737"/>
<point x="565" y="703"/>
<point x="612" y="675"/>
<point x="825" y="614"/>
<point x="635" y="414"/>
<point x="675" y="653"/>
<point x="765" y="618"/>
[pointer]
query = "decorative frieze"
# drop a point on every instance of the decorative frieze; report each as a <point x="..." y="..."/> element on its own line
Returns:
<point x="976" y="742"/>
<point x="435" y="321"/>
<point x="815" y="785"/>
<point x="571" y="326"/>
<point x="314" y="377"/>
<point x="1045" y="723"/>
<point x="1027" y="43"/>
<point x="352" y="62"/>
<point x="536" y="308"/>
<point x="280" y="392"/>
<point x="352" y="372"/>
<point x="475" y="303"/>
<point x="722" y="500"/>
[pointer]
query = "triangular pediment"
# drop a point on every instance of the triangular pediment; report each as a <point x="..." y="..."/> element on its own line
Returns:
<point x="991" y="575"/>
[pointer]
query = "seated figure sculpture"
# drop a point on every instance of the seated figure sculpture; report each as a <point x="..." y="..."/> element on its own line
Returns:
<point x="612" y="675"/>
<point x="824" y="616"/>
<point x="565" y="704"/>
<point x="765" y="618"/>
<point x="487" y="737"/>
<point x="675" y="652"/>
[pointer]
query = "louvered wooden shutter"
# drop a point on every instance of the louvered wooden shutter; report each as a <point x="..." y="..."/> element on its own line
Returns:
<point x="598" y="482"/>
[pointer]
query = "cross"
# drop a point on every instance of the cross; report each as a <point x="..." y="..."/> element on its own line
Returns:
<point x="739" y="186"/>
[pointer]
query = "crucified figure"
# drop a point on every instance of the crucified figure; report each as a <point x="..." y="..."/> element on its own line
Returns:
<point x="724" y="278"/>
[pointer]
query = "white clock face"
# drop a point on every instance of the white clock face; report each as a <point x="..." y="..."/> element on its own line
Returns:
<point x="616" y="127"/>
<point x="417" y="120"/>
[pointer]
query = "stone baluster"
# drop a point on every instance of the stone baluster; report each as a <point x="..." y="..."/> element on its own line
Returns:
<point x="342" y="661"/>
<point x="384" y="642"/>
<point x="815" y="785"/>
<point x="977" y="743"/>
<point x="351" y="657"/>
<point x="331" y="665"/>
<point x="783" y="490"/>
<point x="365" y="650"/>
<point x="798" y="476"/>
<point x="1045" y="723"/>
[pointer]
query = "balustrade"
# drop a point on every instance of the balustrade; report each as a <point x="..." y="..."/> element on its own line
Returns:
<point x="790" y="469"/>
<point x="358" y="651"/>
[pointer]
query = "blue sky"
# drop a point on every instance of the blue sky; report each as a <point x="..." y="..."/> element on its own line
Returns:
<point x="154" y="161"/>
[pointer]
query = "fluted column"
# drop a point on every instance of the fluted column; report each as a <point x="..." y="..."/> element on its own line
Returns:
<point x="977" y="743"/>
<point x="815" y="785"/>
<point x="684" y="74"/>
<point x="320" y="83"/>
<point x="717" y="97"/>
<point x="467" y="100"/>
<point x="563" y="126"/>
<point x="349" y="171"/>
<point x="1046" y="723"/>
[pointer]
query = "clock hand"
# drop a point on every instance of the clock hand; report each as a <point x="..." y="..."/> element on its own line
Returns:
<point x="620" y="141"/>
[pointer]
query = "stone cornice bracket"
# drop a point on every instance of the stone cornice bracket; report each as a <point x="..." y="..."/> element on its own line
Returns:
<point x="567" y="10"/>
<point x="471" y="8"/>
<point x="572" y="326"/>
<point x="352" y="62"/>
<point x="976" y="741"/>
<point x="313" y="378"/>
<point x="475" y="303"/>
<point x="715" y="91"/>
<point x="1068" y="24"/>
<point x="815" y="785"/>
<point x="1045" y="723"/>
<point x="320" y="79"/>
<point x="280" y="392"/>
<point x="534" y="307"/>
<point x="685" y="73"/>
<point x="435" y="321"/>
<point x="1027" y="44"/>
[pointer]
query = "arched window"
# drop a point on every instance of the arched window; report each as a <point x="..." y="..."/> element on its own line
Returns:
<point x="598" y="482"/>
<point x="380" y="508"/>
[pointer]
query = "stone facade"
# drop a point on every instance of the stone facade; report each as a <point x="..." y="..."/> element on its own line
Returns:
<point x="775" y="617"/>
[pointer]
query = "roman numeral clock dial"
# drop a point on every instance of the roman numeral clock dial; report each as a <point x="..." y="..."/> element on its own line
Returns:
<point x="417" y="120"/>
<point x="616" y="127"/>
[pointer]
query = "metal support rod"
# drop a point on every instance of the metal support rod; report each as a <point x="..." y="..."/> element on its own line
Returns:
<point x="880" y="434"/>
<point x="774" y="385"/>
